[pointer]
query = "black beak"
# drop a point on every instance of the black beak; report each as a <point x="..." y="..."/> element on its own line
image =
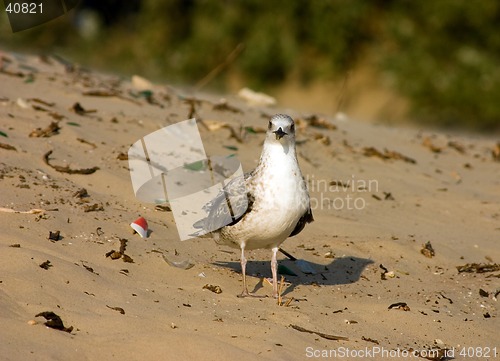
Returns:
<point x="279" y="133"/>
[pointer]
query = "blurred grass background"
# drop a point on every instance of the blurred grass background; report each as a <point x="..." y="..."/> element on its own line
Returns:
<point x="440" y="59"/>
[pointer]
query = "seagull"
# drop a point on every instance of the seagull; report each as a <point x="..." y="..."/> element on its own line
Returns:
<point x="277" y="198"/>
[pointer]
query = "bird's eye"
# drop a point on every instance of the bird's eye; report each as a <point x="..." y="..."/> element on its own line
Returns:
<point x="270" y="125"/>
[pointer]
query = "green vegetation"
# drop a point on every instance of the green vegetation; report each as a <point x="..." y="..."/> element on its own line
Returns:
<point x="443" y="55"/>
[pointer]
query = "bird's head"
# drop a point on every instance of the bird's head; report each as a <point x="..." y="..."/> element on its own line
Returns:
<point x="281" y="129"/>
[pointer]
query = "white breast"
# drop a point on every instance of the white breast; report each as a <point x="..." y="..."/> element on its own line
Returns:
<point x="281" y="199"/>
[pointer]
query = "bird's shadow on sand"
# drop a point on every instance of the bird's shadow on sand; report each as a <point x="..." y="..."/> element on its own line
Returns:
<point x="339" y="271"/>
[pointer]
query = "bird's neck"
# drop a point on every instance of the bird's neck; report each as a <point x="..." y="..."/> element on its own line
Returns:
<point x="276" y="155"/>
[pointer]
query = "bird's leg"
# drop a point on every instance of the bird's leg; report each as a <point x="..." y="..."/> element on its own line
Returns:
<point x="274" y="270"/>
<point x="245" y="292"/>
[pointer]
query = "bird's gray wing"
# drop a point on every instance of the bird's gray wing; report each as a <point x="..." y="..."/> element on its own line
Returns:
<point x="306" y="218"/>
<point x="228" y="208"/>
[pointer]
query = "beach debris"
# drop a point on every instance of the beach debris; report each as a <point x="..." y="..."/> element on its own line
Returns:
<point x="256" y="98"/>
<point x="386" y="273"/>
<point x="427" y="142"/>
<point x="119" y="309"/>
<point x="213" y="288"/>
<point x="495" y="152"/>
<point x="113" y="254"/>
<point x="122" y="156"/>
<point x="15" y="245"/>
<point x="323" y="139"/>
<point x="54" y="321"/>
<point x="101" y="93"/>
<point x="78" y="109"/>
<point x="478" y="268"/>
<point x="54" y="236"/>
<point x="93" y="207"/>
<point x="67" y="169"/>
<point x="350" y="322"/>
<point x="21" y="103"/>
<point x="318" y="122"/>
<point x="140" y="83"/>
<point x="81" y="193"/>
<point x="369" y="340"/>
<point x="446" y="298"/>
<point x="163" y="208"/>
<point x="140" y="226"/>
<point x="399" y="306"/>
<point x="184" y="264"/>
<point x="74" y="124"/>
<point x="56" y="116"/>
<point x="52" y="129"/>
<point x="45" y="265"/>
<point x="3" y="134"/>
<point x="81" y="140"/>
<point x="7" y="146"/>
<point x="388" y="154"/>
<point x="321" y="334"/>
<point x="214" y="125"/>
<point x="329" y="254"/>
<point x="483" y="293"/>
<point x="43" y="102"/>
<point x="427" y="250"/>
<point x="223" y="105"/>
<point x="121" y="253"/>
<point x="31" y="211"/>
<point x="88" y="268"/>
<point x="457" y="146"/>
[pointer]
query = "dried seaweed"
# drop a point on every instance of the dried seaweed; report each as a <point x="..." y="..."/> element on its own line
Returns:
<point x="7" y="146"/>
<point x="122" y="156"/>
<point x="78" y="109"/>
<point x="45" y="265"/>
<point x="214" y="289"/>
<point x="52" y="129"/>
<point x="427" y="250"/>
<point x="383" y="274"/>
<point x="81" y="193"/>
<point x="478" y="268"/>
<point x="119" y="309"/>
<point x="81" y="140"/>
<point x="321" y="334"/>
<point x="121" y="253"/>
<point x="369" y="340"/>
<point x="55" y="236"/>
<point x="388" y="154"/>
<point x="399" y="306"/>
<point x="67" y="169"/>
<point x="54" y="321"/>
<point x="457" y="146"/>
<point x="427" y="142"/>
<point x="223" y="105"/>
<point x="93" y="207"/>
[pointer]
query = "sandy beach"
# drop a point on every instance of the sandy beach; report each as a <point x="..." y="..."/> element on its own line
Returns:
<point x="396" y="211"/>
